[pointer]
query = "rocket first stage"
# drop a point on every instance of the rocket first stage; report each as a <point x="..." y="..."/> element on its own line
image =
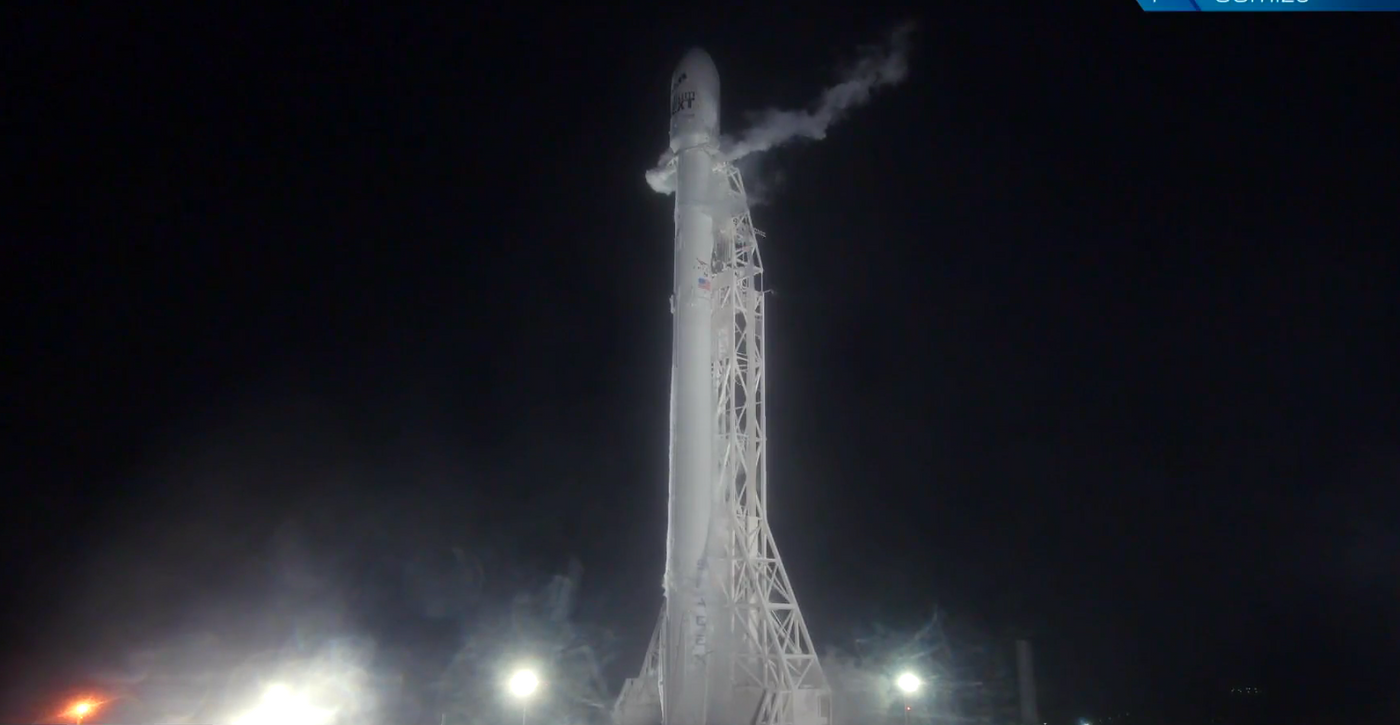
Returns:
<point x="730" y="647"/>
<point x="690" y="588"/>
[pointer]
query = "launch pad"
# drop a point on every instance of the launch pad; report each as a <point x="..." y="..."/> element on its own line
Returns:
<point x="730" y="646"/>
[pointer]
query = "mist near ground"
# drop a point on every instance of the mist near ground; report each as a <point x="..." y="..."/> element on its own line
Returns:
<point x="376" y="556"/>
<point x="283" y="541"/>
<point x="276" y="544"/>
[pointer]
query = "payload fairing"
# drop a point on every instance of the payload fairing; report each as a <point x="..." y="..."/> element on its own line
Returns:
<point x="731" y="647"/>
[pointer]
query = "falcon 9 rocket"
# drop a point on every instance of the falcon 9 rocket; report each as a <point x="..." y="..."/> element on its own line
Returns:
<point x="731" y="647"/>
<point x="689" y="585"/>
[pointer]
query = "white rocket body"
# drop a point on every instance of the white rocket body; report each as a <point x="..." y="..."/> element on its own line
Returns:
<point x="688" y="647"/>
<point x="730" y="647"/>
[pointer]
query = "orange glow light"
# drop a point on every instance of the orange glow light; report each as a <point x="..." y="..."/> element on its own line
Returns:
<point x="81" y="709"/>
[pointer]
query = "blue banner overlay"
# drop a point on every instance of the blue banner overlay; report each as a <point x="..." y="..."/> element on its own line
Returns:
<point x="1269" y="6"/>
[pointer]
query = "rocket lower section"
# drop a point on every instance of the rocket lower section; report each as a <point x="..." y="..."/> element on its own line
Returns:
<point x="690" y="583"/>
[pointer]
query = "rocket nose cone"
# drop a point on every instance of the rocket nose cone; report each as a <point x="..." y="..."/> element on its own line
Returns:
<point x="697" y="67"/>
<point x="698" y="60"/>
<point x="694" y="101"/>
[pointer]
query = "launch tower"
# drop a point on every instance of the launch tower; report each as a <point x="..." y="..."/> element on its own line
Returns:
<point x="730" y="647"/>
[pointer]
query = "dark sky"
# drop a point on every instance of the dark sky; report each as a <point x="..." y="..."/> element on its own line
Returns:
<point x="1088" y="330"/>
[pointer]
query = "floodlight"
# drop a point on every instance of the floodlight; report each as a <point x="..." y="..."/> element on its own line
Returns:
<point x="523" y="683"/>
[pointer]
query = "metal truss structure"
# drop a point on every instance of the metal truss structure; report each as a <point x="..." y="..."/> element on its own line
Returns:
<point x="775" y="674"/>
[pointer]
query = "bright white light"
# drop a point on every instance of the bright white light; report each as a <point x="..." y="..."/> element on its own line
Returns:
<point x="908" y="683"/>
<point x="281" y="706"/>
<point x="523" y="683"/>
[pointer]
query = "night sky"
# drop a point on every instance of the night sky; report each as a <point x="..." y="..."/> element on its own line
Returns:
<point x="353" y="326"/>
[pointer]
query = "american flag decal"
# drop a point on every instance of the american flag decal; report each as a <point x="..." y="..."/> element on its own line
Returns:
<point x="705" y="283"/>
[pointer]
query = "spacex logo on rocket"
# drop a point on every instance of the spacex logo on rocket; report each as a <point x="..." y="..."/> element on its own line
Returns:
<point x="682" y="102"/>
<point x="694" y="101"/>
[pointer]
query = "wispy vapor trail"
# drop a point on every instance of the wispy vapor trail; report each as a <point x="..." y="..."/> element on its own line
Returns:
<point x="878" y="67"/>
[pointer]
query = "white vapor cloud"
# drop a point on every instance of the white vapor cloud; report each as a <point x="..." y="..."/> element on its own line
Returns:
<point x="761" y="182"/>
<point x="877" y="67"/>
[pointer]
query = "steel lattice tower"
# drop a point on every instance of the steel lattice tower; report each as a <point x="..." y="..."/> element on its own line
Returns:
<point x="766" y="655"/>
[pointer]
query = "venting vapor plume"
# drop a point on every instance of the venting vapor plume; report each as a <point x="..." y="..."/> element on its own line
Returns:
<point x="876" y="67"/>
<point x="879" y="66"/>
